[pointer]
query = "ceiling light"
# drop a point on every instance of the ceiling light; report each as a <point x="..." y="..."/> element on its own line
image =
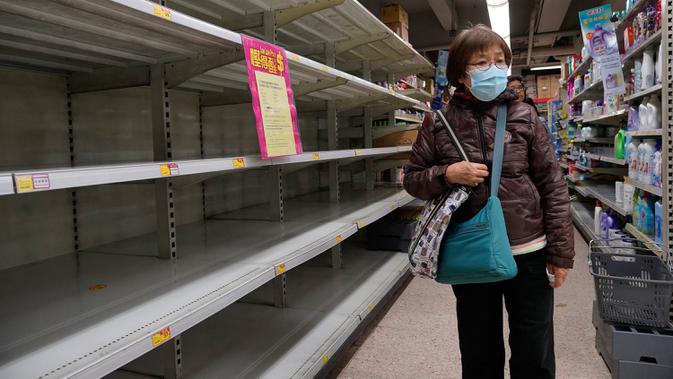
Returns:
<point x="540" y="68"/>
<point x="498" y="13"/>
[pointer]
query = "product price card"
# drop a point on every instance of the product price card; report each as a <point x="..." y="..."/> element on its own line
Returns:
<point x="272" y="98"/>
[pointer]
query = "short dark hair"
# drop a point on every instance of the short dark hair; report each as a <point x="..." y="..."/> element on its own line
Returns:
<point x="515" y="78"/>
<point x="477" y="38"/>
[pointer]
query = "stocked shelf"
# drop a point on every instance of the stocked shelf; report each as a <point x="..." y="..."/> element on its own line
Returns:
<point x="256" y="340"/>
<point x="605" y="193"/>
<point x="588" y="93"/>
<point x="60" y="178"/>
<point x="582" y="68"/>
<point x="646" y="240"/>
<point x="645" y="133"/>
<point x="638" y="7"/>
<point x="646" y="187"/>
<point x="615" y="118"/>
<point x="603" y="158"/>
<point x="647" y="92"/>
<point x="563" y="165"/>
<point x="113" y="298"/>
<point x="636" y="51"/>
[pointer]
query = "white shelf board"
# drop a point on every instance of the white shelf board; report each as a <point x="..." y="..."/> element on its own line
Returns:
<point x="649" y="91"/>
<point x="92" y="332"/>
<point x="582" y="68"/>
<point x="645" y="133"/>
<point x="418" y="94"/>
<point x="614" y="118"/>
<point x="646" y="187"/>
<point x="6" y="184"/>
<point x="606" y="194"/>
<point x="603" y="158"/>
<point x="588" y="93"/>
<point x="409" y="118"/>
<point x="646" y="240"/>
<point x="584" y="220"/>
<point x="60" y="178"/>
<point x="256" y="340"/>
<point x="606" y="140"/>
<point x="380" y="131"/>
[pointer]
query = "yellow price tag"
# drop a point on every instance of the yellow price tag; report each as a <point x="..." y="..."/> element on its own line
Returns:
<point x="280" y="269"/>
<point x="316" y="156"/>
<point x="24" y="183"/>
<point x="361" y="224"/>
<point x="370" y="306"/>
<point x="161" y="336"/>
<point x="358" y="152"/>
<point x="294" y="57"/>
<point x="165" y="170"/>
<point x="238" y="162"/>
<point x="162" y="12"/>
<point x="339" y="238"/>
<point x="324" y="68"/>
<point x="325" y="359"/>
<point x="97" y="287"/>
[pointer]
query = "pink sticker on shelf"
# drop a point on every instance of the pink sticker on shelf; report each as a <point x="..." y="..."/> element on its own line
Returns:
<point x="272" y="98"/>
<point x="41" y="181"/>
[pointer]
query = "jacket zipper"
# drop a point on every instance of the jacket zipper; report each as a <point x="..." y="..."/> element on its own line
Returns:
<point x="482" y="142"/>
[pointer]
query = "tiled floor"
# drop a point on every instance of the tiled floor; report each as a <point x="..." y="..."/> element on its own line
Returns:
<point x="417" y="338"/>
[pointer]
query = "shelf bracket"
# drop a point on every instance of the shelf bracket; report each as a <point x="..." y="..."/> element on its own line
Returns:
<point x="172" y="355"/>
<point x="164" y="196"/>
<point x="180" y="72"/>
<point x="336" y="257"/>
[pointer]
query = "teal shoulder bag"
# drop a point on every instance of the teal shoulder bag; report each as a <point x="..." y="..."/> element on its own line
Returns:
<point x="478" y="250"/>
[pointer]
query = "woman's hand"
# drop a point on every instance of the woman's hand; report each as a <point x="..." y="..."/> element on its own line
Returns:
<point x="466" y="173"/>
<point x="560" y="275"/>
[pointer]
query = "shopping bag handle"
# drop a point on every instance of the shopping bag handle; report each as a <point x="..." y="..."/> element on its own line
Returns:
<point x="454" y="139"/>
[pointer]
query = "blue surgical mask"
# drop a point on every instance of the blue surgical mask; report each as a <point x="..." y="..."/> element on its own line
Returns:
<point x="488" y="84"/>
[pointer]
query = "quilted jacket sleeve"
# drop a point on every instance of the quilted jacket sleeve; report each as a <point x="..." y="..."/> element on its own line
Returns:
<point x="424" y="178"/>
<point x="548" y="178"/>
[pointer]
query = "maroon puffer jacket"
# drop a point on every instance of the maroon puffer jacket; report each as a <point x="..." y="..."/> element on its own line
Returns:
<point x="532" y="191"/>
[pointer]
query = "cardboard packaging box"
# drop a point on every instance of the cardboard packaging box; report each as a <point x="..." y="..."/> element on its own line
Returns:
<point x="394" y="14"/>
<point x="399" y="29"/>
<point x="403" y="138"/>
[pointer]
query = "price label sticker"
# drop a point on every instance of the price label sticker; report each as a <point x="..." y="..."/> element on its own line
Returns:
<point x="170" y="169"/>
<point x="325" y="359"/>
<point x="280" y="269"/>
<point x="294" y="57"/>
<point x="97" y="287"/>
<point x="370" y="306"/>
<point x="361" y="223"/>
<point x="238" y="162"/>
<point x="324" y="68"/>
<point x="162" y="12"/>
<point x="316" y="156"/>
<point x="24" y="183"/>
<point x="161" y="336"/>
<point x="358" y="152"/>
<point x="339" y="238"/>
<point x="165" y="170"/>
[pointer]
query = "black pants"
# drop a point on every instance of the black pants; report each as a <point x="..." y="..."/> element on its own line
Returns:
<point x="530" y="307"/>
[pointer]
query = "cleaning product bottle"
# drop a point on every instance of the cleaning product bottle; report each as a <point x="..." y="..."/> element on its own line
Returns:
<point x="637" y="74"/>
<point x="641" y="155"/>
<point x="643" y="114"/>
<point x="632" y="157"/>
<point x="633" y="121"/>
<point x="647" y="69"/>
<point x="636" y="210"/>
<point x="609" y="222"/>
<point x="656" y="169"/>
<point x="654" y="113"/>
<point x="619" y="144"/>
<point x="658" y="220"/>
<point x="627" y="201"/>
<point x="647" y="215"/>
<point x="649" y="147"/>
<point x="597" y="218"/>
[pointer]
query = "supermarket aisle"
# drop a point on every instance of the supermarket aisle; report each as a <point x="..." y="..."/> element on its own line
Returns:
<point x="417" y="338"/>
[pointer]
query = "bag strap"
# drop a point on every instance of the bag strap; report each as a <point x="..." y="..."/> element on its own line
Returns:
<point x="454" y="139"/>
<point x="498" y="148"/>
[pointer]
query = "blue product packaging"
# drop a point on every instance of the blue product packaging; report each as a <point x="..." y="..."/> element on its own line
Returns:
<point x="658" y="220"/>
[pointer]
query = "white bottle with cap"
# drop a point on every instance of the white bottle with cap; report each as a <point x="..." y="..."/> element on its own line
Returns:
<point x="647" y="69"/>
<point x="643" y="114"/>
<point x="654" y="113"/>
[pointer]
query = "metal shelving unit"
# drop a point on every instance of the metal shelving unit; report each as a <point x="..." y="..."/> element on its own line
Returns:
<point x="605" y="193"/>
<point x="645" y="133"/>
<point x="649" y="188"/>
<point x="155" y="211"/>
<point x="589" y="92"/>
<point x="603" y="158"/>
<point x="647" y="92"/>
<point x="646" y="240"/>
<point x="583" y="218"/>
<point x="115" y="324"/>
<point x="632" y="54"/>
<point x="605" y="140"/>
<point x="615" y="118"/>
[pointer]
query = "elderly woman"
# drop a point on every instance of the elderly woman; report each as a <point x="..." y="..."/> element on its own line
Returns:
<point x="535" y="204"/>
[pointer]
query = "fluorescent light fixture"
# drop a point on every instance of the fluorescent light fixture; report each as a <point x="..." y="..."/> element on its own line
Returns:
<point x="540" y="68"/>
<point x="498" y="13"/>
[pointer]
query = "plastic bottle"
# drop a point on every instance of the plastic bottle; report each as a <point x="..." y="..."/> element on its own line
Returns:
<point x="633" y="121"/>
<point x="597" y="218"/>
<point x="632" y="156"/>
<point x="637" y="76"/>
<point x="627" y="202"/>
<point x="654" y="113"/>
<point x="647" y="215"/>
<point x="619" y="144"/>
<point x="643" y="114"/>
<point x="636" y="210"/>
<point x="647" y="69"/>
<point x="658" y="220"/>
<point x="655" y="169"/>
<point x="649" y="147"/>
<point x="609" y="222"/>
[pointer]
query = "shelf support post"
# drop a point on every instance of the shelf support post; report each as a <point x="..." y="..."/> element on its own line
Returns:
<point x="280" y="291"/>
<point x="370" y="174"/>
<point x="172" y="355"/>
<point x="667" y="135"/>
<point x="163" y="188"/>
<point x="71" y="139"/>
<point x="333" y="144"/>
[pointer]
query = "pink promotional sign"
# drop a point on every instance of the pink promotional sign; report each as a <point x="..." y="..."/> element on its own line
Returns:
<point x="272" y="98"/>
